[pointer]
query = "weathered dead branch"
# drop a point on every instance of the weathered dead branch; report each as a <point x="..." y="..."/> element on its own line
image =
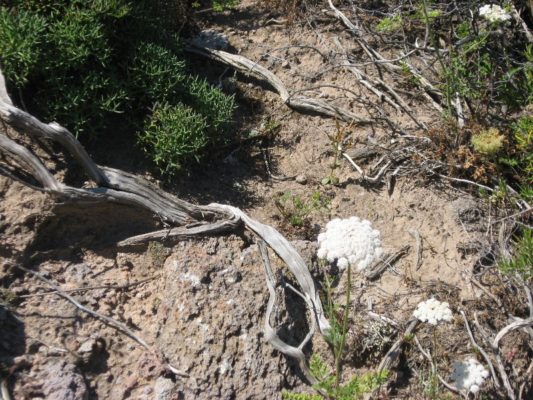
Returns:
<point x="299" y="103"/>
<point x="117" y="186"/>
<point x="270" y="333"/>
<point x="395" y="350"/>
<point x="387" y="261"/>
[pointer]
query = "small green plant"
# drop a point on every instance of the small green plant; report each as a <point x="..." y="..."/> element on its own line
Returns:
<point x="523" y="138"/>
<point x="329" y="384"/>
<point x="286" y="395"/>
<point x="431" y="385"/>
<point x="521" y="264"/>
<point x="221" y="5"/>
<point x="7" y="298"/>
<point x="337" y="143"/>
<point x="296" y="211"/>
<point x="173" y="135"/>
<point x="355" y="389"/>
<point x="390" y="24"/>
<point x="488" y="142"/>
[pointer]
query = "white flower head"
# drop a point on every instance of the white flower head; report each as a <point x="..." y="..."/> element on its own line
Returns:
<point x="433" y="311"/>
<point x="351" y="242"/>
<point x="469" y="375"/>
<point x="494" y="13"/>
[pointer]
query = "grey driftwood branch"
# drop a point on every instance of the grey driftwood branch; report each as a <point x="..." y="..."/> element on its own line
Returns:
<point x="112" y="185"/>
<point x="257" y="71"/>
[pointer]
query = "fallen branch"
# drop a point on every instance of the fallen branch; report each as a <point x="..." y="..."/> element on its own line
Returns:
<point x="395" y="350"/>
<point x="270" y="333"/>
<point x="124" y="188"/>
<point x="521" y="323"/>
<point x="183" y="232"/>
<point x="375" y="271"/>
<point x="299" y="103"/>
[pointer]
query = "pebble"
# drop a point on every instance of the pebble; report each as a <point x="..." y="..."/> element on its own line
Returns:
<point x="301" y="179"/>
<point x="87" y="347"/>
<point x="286" y="64"/>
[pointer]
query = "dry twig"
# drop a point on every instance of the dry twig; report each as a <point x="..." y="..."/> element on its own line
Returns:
<point x="104" y="318"/>
<point x="480" y="350"/>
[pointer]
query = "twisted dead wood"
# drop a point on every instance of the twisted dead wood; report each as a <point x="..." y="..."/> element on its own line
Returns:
<point x="117" y="186"/>
<point x="298" y="103"/>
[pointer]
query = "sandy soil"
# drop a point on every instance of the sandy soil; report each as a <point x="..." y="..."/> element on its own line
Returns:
<point x="201" y="303"/>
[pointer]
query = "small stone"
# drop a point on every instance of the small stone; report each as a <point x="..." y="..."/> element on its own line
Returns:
<point x="286" y="64"/>
<point x="164" y="389"/>
<point x="301" y="179"/>
<point x="87" y="346"/>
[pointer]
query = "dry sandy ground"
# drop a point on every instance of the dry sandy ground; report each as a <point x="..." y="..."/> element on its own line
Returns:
<point x="203" y="304"/>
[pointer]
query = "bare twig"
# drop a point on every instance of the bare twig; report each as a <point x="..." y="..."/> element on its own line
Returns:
<point x="526" y="380"/>
<point x="529" y="299"/>
<point x="418" y="248"/>
<point x="107" y="320"/>
<point x="480" y="350"/>
<point x="520" y="323"/>
<point x="465" y="181"/>
<point x="340" y="15"/>
<point x="88" y="288"/>
<point x="394" y="351"/>
<point x="357" y="167"/>
<point x="4" y="390"/>
<point x="376" y="270"/>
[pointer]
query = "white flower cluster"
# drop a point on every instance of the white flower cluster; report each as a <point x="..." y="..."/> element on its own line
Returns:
<point x="351" y="242"/>
<point x="433" y="311"/>
<point x="493" y="13"/>
<point x="469" y="375"/>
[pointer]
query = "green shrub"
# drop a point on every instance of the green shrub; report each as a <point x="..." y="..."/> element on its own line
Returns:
<point x="21" y="37"/>
<point x="521" y="264"/>
<point x="99" y="67"/>
<point x="210" y="102"/>
<point x="157" y="74"/>
<point x="523" y="138"/>
<point x="174" y="134"/>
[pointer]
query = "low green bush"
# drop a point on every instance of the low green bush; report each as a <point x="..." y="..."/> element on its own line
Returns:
<point x="101" y="67"/>
<point x="173" y="135"/>
<point x="21" y="37"/>
<point x="521" y="263"/>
